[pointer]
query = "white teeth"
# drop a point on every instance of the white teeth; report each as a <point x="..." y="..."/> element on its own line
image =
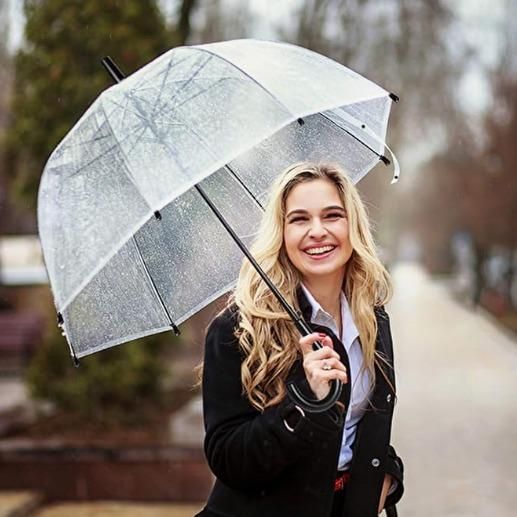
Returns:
<point x="319" y="251"/>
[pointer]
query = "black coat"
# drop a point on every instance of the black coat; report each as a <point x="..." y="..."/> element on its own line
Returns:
<point x="262" y="468"/>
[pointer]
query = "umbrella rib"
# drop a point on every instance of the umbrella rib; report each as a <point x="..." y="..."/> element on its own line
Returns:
<point x="155" y="289"/>
<point x="226" y="166"/>
<point x="380" y="156"/>
<point x="162" y="86"/>
<point x="183" y="86"/>
<point x="244" y="186"/>
<point x="143" y="80"/>
<point x="187" y="82"/>
<point x="210" y="87"/>
<point x="114" y="146"/>
<point x="83" y="143"/>
<point x="126" y="109"/>
<point x="258" y="83"/>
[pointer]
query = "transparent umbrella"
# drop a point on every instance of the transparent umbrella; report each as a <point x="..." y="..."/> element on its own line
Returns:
<point x="130" y="244"/>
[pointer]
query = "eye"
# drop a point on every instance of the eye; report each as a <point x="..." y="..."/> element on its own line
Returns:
<point x="298" y="219"/>
<point x="335" y="215"/>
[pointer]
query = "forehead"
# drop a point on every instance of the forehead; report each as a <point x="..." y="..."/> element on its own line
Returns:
<point x="313" y="195"/>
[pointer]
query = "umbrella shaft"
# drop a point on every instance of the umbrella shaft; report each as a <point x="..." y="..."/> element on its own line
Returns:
<point x="298" y="320"/>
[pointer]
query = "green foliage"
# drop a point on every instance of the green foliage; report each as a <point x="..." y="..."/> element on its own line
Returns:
<point x="120" y="385"/>
<point x="59" y="74"/>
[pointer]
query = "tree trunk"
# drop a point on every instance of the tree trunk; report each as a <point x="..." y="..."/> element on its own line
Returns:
<point x="183" y="27"/>
<point x="509" y="277"/>
<point x="480" y="256"/>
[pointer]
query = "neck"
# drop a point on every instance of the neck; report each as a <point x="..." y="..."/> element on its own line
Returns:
<point x="327" y="292"/>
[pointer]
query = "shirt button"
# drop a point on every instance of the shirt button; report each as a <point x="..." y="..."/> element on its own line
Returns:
<point x="376" y="462"/>
<point x="388" y="398"/>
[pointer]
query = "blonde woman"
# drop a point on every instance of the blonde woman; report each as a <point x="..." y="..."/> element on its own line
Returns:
<point x="271" y="458"/>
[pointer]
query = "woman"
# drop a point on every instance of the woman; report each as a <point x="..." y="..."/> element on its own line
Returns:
<point x="270" y="457"/>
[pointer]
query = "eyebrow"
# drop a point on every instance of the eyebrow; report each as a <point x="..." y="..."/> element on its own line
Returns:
<point x="326" y="209"/>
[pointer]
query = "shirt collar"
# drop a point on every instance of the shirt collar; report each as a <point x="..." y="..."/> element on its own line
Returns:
<point x="319" y="316"/>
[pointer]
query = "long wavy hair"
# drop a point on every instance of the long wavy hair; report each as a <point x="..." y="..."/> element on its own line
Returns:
<point x="266" y="334"/>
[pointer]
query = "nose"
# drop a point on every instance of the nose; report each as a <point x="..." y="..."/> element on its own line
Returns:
<point x="317" y="230"/>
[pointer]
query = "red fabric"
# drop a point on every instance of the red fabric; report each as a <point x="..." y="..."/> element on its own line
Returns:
<point x="341" y="480"/>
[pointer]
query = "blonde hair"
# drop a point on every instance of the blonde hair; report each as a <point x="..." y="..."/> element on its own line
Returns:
<point x="266" y="334"/>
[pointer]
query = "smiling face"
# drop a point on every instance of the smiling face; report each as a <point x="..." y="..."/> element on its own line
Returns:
<point x="316" y="235"/>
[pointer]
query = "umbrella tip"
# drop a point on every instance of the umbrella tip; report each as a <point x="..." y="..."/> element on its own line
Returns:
<point x="394" y="97"/>
<point x="175" y="329"/>
<point x="384" y="159"/>
<point x="113" y="70"/>
<point x="158" y="215"/>
<point x="301" y="121"/>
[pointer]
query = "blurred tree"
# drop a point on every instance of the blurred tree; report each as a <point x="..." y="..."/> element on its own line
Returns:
<point x="217" y="20"/>
<point x="13" y="218"/>
<point x="123" y="385"/>
<point x="451" y="199"/>
<point x="404" y="46"/>
<point x="181" y="30"/>
<point x="5" y="62"/>
<point x="58" y="74"/>
<point x="501" y="150"/>
<point x="473" y="188"/>
<point x="5" y="91"/>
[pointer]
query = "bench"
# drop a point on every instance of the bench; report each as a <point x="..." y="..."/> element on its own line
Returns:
<point x="20" y="335"/>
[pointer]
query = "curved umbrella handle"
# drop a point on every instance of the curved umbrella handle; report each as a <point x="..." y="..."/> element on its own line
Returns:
<point x="308" y="404"/>
<point x="315" y="405"/>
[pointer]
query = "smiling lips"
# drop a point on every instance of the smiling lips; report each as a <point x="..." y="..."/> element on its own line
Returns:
<point x="320" y="251"/>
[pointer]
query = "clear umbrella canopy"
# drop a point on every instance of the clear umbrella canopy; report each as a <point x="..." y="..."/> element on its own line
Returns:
<point x="130" y="246"/>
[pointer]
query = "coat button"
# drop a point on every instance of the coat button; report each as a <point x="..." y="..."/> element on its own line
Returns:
<point x="388" y="398"/>
<point x="376" y="462"/>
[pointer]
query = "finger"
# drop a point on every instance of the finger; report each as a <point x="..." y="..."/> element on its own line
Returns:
<point x="323" y="340"/>
<point x="329" y="375"/>
<point x="323" y="353"/>
<point x="321" y="369"/>
<point x="306" y="343"/>
<point x="333" y="364"/>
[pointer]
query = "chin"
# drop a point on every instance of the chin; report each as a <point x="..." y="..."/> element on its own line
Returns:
<point x="321" y="271"/>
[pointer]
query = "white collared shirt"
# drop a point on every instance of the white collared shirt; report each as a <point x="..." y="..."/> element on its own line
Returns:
<point x="360" y="380"/>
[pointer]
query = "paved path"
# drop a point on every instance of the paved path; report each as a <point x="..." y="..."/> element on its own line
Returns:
<point x="456" y="417"/>
<point x="114" y="509"/>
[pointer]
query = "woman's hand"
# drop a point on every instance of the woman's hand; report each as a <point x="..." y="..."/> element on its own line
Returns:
<point x="321" y="366"/>
<point x="384" y="493"/>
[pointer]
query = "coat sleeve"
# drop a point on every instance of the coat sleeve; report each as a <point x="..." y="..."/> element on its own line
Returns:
<point x="245" y="448"/>
<point x="395" y="467"/>
<point x="394" y="464"/>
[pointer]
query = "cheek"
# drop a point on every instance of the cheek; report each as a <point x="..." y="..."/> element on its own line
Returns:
<point x="291" y="242"/>
<point x="345" y="235"/>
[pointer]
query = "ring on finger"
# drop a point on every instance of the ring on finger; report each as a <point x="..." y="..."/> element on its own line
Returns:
<point x="326" y="366"/>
